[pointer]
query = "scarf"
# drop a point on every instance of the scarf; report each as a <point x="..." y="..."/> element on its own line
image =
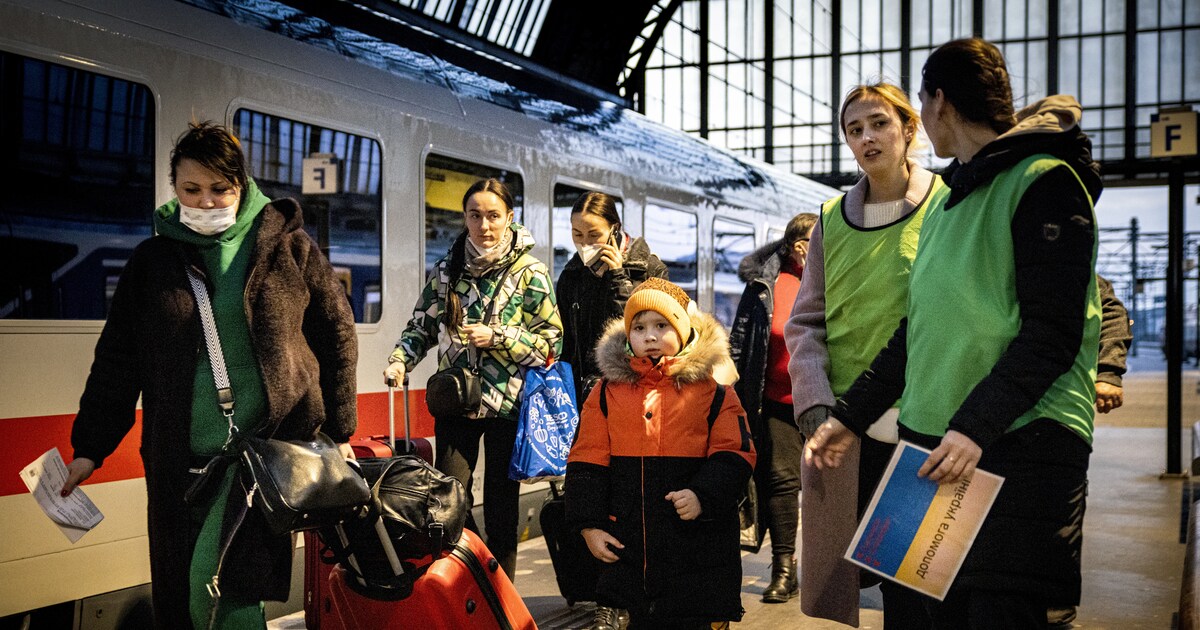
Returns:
<point x="479" y="262"/>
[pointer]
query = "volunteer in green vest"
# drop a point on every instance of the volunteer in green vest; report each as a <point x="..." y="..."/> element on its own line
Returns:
<point x="853" y="296"/>
<point x="997" y="356"/>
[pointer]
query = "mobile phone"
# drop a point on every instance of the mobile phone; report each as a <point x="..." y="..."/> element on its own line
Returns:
<point x="596" y="264"/>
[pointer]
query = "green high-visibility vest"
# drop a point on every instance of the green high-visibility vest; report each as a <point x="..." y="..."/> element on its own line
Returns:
<point x="963" y="311"/>
<point x="866" y="283"/>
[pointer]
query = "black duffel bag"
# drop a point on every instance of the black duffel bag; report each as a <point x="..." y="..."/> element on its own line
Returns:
<point x="415" y="512"/>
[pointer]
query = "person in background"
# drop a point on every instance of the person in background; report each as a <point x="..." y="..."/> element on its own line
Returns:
<point x="853" y="296"/>
<point x="288" y="339"/>
<point x="997" y="355"/>
<point x="488" y="262"/>
<point x="1115" y="336"/>
<point x="595" y="283"/>
<point x="773" y="276"/>
<point x="654" y="475"/>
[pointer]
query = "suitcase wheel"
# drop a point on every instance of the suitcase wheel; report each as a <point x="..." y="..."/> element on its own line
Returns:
<point x="493" y="564"/>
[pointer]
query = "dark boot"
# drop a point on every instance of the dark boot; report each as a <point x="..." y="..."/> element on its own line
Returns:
<point x="784" y="584"/>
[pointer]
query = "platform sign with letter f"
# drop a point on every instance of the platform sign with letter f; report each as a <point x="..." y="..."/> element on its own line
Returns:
<point x="1173" y="133"/>
<point x="320" y="174"/>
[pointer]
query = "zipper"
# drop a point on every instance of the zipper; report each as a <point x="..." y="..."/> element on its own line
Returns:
<point x="645" y="542"/>
<point x="575" y="308"/>
<point x="465" y="555"/>
<point x="214" y="587"/>
<point x="416" y="494"/>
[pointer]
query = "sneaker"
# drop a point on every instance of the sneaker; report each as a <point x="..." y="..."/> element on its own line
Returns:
<point x="609" y="619"/>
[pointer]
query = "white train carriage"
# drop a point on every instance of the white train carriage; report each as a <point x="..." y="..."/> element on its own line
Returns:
<point x="93" y="95"/>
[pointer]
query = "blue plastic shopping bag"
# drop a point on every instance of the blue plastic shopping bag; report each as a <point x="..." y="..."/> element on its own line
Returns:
<point x="547" y="425"/>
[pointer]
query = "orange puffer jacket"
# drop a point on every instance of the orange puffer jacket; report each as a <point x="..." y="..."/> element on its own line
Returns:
<point x="655" y="439"/>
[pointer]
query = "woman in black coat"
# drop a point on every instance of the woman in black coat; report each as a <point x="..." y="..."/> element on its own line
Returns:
<point x="772" y="275"/>
<point x="596" y="282"/>
<point x="288" y="338"/>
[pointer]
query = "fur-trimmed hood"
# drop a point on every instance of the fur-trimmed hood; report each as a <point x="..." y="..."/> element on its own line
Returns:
<point x="763" y="263"/>
<point x="707" y="349"/>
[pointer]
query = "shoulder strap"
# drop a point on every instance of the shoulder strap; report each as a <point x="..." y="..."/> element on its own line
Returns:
<point x="520" y="264"/>
<point x="718" y="401"/>
<point x="604" y="397"/>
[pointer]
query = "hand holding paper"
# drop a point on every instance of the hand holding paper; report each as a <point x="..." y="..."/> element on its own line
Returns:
<point x="46" y="477"/>
<point x="953" y="460"/>
<point x="917" y="532"/>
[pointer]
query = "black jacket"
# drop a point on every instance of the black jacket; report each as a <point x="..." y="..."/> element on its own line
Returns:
<point x="1114" y="334"/>
<point x="751" y="332"/>
<point x="587" y="302"/>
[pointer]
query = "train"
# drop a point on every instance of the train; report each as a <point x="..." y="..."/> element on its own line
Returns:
<point x="377" y="141"/>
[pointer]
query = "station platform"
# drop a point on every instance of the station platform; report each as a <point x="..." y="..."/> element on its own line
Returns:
<point x="1133" y="559"/>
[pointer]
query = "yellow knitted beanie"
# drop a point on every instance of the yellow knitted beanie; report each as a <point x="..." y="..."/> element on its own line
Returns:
<point x="664" y="298"/>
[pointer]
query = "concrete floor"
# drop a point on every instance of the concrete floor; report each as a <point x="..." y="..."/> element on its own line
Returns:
<point x="1133" y="560"/>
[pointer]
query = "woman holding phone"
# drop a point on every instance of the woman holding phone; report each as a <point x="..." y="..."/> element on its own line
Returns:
<point x="597" y="280"/>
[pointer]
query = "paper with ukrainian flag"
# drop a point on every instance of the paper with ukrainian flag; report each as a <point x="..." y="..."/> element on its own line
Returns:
<point x="917" y="532"/>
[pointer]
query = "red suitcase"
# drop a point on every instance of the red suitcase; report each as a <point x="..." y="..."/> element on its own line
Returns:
<point x="318" y="606"/>
<point x="465" y="589"/>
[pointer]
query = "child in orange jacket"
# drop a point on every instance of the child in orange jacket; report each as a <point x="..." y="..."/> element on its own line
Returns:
<point x="660" y="462"/>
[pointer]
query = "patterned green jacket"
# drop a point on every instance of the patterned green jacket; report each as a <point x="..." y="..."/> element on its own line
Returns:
<point x="526" y="322"/>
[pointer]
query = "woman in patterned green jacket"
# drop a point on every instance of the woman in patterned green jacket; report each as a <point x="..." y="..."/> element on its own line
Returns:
<point x="489" y="261"/>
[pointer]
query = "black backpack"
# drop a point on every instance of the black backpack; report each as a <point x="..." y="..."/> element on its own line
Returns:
<point x="415" y="512"/>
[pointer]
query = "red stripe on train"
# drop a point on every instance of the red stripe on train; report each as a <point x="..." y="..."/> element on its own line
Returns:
<point x="25" y="439"/>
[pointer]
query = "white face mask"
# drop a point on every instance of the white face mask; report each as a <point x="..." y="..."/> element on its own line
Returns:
<point x="208" y="221"/>
<point x="588" y="253"/>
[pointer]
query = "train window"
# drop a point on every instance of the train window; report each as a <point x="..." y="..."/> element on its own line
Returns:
<point x="672" y="235"/>
<point x="77" y="170"/>
<point x="732" y="241"/>
<point x="446" y="181"/>
<point x="774" y="234"/>
<point x="346" y="223"/>
<point x="560" y="230"/>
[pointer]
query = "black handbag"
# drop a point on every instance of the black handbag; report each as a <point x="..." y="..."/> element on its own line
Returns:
<point x="457" y="392"/>
<point x="297" y="484"/>
<point x="301" y="484"/>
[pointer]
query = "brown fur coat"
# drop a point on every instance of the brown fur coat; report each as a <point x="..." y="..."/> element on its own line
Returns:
<point x="304" y="339"/>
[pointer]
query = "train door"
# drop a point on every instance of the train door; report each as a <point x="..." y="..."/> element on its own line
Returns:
<point x="731" y="242"/>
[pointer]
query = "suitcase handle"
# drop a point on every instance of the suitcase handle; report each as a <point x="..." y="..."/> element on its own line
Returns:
<point x="408" y="446"/>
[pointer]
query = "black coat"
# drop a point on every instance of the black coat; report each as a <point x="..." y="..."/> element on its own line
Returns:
<point x="307" y="351"/>
<point x="751" y="332"/>
<point x="749" y="341"/>
<point x="588" y="302"/>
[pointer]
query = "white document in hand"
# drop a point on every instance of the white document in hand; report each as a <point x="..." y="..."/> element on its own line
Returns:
<point x="75" y="514"/>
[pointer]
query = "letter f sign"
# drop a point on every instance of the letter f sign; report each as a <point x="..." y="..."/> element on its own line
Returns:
<point x="1172" y="134"/>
